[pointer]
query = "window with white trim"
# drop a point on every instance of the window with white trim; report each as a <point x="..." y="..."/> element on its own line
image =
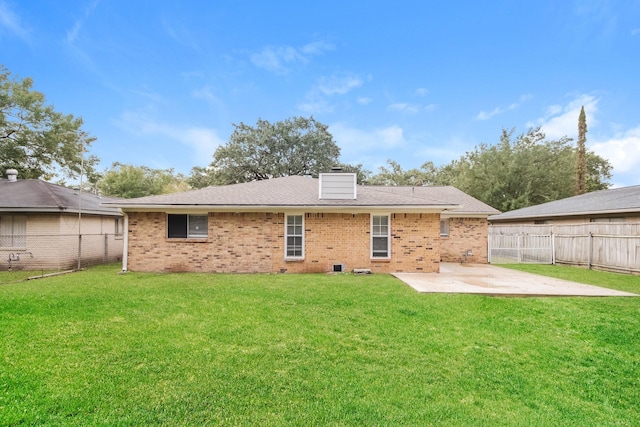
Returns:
<point x="294" y="236"/>
<point x="444" y="227"/>
<point x="380" y="236"/>
<point x="118" y="226"/>
<point x="13" y="231"/>
<point x="183" y="226"/>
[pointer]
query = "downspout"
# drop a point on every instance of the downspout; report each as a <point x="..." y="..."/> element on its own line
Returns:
<point x="125" y="243"/>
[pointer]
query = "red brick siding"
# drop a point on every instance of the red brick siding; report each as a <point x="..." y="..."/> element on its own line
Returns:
<point x="254" y="242"/>
<point x="465" y="234"/>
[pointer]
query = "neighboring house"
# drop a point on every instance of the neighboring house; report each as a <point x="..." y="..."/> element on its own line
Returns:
<point x="48" y="226"/>
<point x="615" y="205"/>
<point x="302" y="224"/>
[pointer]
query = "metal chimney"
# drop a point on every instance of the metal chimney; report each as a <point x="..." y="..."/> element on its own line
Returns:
<point x="12" y="175"/>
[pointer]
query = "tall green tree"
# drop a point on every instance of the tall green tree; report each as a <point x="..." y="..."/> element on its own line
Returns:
<point x="295" y="146"/>
<point x="523" y="170"/>
<point x="37" y="140"/>
<point x="128" y="181"/>
<point x="581" y="164"/>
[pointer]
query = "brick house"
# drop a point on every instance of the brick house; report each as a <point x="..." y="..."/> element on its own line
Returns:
<point x="302" y="224"/>
<point x="615" y="205"/>
<point x="51" y="227"/>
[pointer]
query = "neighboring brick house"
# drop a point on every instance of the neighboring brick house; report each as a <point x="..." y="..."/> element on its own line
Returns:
<point x="301" y="224"/>
<point x="48" y="226"/>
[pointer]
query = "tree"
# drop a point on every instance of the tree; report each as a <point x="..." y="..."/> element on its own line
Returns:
<point x="395" y="175"/>
<point x="37" y="140"/>
<point x="581" y="164"/>
<point x="522" y="171"/>
<point x="296" y="146"/>
<point x="128" y="181"/>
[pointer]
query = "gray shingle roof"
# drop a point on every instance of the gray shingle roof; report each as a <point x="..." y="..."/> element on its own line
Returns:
<point x="614" y="201"/>
<point x="34" y="195"/>
<point x="298" y="191"/>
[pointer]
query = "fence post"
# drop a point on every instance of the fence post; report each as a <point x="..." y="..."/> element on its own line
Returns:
<point x="519" y="248"/>
<point x="79" y="251"/>
<point x="106" y="248"/>
<point x="553" y="249"/>
<point x="590" y="248"/>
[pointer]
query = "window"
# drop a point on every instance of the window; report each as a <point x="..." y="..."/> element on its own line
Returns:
<point x="181" y="226"/>
<point x="118" y="226"/>
<point x="13" y="231"/>
<point x="380" y="236"/>
<point x="444" y="227"/>
<point x="294" y="236"/>
<point x="607" y="220"/>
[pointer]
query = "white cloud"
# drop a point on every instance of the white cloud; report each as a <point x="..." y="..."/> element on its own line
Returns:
<point x="72" y="34"/>
<point x="10" y="22"/>
<point x="486" y="115"/>
<point x="317" y="98"/>
<point x="635" y="31"/>
<point x="316" y="48"/>
<point x="203" y="141"/>
<point x="279" y="59"/>
<point x="316" y="106"/>
<point x="405" y="107"/>
<point x="357" y="142"/>
<point x="338" y="85"/>
<point x="421" y="91"/>
<point x="623" y="150"/>
<point x="364" y="100"/>
<point x="560" y="121"/>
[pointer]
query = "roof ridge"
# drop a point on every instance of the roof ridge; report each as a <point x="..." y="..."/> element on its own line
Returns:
<point x="54" y="197"/>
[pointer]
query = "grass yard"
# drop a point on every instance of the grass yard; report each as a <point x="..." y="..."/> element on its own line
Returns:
<point x="606" y="279"/>
<point x="98" y="348"/>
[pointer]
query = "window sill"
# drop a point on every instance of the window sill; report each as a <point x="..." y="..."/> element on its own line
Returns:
<point x="187" y="240"/>
<point x="380" y="259"/>
<point x="13" y="248"/>
<point x="293" y="259"/>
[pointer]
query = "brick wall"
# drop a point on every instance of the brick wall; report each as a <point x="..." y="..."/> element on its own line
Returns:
<point x="465" y="234"/>
<point x="254" y="242"/>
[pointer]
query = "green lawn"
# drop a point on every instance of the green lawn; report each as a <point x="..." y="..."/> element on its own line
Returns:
<point x="622" y="282"/>
<point x="98" y="348"/>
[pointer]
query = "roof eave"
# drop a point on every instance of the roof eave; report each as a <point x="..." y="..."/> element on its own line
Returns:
<point x="59" y="211"/>
<point x="282" y="208"/>
<point x="565" y="214"/>
<point x="459" y="214"/>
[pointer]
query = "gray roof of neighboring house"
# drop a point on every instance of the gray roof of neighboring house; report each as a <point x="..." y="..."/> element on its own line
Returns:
<point x="604" y="202"/>
<point x="303" y="192"/>
<point x="36" y="196"/>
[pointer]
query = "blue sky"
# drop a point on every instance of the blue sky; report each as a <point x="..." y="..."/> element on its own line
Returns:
<point x="159" y="83"/>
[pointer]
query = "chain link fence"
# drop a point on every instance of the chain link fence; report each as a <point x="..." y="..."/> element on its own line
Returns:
<point x="46" y="253"/>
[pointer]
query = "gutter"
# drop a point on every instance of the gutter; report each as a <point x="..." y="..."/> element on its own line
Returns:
<point x="280" y="208"/>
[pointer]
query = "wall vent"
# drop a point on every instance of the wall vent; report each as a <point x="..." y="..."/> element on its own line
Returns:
<point x="339" y="268"/>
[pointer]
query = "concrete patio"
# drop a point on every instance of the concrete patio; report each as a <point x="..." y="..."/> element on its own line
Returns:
<point x="491" y="280"/>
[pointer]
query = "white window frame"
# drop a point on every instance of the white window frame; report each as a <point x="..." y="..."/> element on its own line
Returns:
<point x="374" y="234"/>
<point x="10" y="237"/>
<point x="446" y="222"/>
<point x="118" y="230"/>
<point x="287" y="235"/>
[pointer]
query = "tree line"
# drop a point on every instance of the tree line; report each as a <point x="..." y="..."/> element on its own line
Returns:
<point x="519" y="170"/>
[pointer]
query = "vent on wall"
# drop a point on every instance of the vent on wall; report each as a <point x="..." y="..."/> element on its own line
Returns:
<point x="339" y="268"/>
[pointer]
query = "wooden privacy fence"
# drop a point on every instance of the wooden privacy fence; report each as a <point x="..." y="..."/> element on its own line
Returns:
<point x="609" y="246"/>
